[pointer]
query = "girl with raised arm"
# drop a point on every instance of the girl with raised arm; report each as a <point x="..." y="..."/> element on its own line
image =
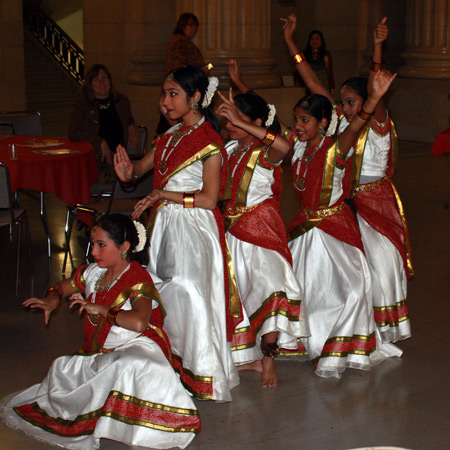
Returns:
<point x="270" y="293"/>
<point x="188" y="259"/>
<point x="380" y="213"/>
<point x="325" y="241"/>
<point x="118" y="384"/>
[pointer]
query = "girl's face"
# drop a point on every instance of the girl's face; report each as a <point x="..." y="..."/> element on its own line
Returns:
<point x="177" y="102"/>
<point x="104" y="250"/>
<point x="307" y="126"/>
<point x="315" y="41"/>
<point x="351" y="102"/>
<point x="101" y="85"/>
<point x="239" y="134"/>
<point x="190" y="30"/>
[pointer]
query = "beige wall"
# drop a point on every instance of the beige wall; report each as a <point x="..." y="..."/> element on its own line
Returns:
<point x="12" y="75"/>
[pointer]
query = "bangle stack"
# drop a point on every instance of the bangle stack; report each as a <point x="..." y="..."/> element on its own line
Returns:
<point x="56" y="289"/>
<point x="111" y="317"/>
<point x="364" y="115"/>
<point x="298" y="58"/>
<point x="269" y="137"/>
<point x="188" y="200"/>
<point x="375" y="67"/>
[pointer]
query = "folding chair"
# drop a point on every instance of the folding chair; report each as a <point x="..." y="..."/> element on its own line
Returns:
<point x="11" y="216"/>
<point x="25" y="122"/>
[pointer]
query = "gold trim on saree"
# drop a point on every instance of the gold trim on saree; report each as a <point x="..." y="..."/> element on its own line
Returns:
<point x="368" y="186"/>
<point x="315" y="213"/>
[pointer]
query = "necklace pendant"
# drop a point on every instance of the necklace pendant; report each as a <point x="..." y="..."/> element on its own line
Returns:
<point x="163" y="167"/>
<point x="299" y="184"/>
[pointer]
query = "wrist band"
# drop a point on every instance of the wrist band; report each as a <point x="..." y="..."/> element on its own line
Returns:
<point x="364" y="115"/>
<point x="375" y="67"/>
<point x="188" y="200"/>
<point x="111" y="317"/>
<point x="298" y="58"/>
<point x="269" y="137"/>
<point x="56" y="289"/>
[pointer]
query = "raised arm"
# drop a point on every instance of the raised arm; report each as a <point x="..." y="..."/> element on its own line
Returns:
<point x="235" y="75"/>
<point x="301" y="65"/>
<point x="126" y="170"/>
<point x="279" y="147"/>
<point x="379" y="36"/>
<point x="381" y="83"/>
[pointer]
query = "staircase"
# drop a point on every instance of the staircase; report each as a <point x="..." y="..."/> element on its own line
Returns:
<point x="49" y="89"/>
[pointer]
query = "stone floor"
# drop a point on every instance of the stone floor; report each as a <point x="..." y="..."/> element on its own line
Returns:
<point x="402" y="402"/>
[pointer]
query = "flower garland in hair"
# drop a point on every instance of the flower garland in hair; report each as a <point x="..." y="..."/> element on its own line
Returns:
<point x="333" y="124"/>
<point x="271" y="117"/>
<point x="142" y="236"/>
<point x="213" y="83"/>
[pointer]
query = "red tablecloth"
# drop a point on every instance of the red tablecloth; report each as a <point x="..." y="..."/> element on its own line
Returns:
<point x="441" y="143"/>
<point x="69" y="176"/>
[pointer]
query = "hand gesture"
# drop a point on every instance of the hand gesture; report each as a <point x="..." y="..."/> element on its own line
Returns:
<point x="289" y="27"/>
<point x="228" y="108"/>
<point x="48" y="305"/>
<point x="381" y="82"/>
<point x="106" y="152"/>
<point x="122" y="164"/>
<point x="146" y="202"/>
<point x="381" y="32"/>
<point x="234" y="69"/>
<point x="90" y="308"/>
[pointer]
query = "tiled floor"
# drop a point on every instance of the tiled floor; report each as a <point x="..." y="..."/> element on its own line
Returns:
<point x="402" y="402"/>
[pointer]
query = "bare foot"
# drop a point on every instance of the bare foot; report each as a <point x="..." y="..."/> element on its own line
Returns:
<point x="255" y="365"/>
<point x="268" y="376"/>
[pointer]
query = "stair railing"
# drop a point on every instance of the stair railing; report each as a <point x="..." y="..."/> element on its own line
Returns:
<point x="56" y="41"/>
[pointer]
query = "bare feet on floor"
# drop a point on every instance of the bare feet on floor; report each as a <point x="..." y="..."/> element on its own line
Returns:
<point x="255" y="365"/>
<point x="268" y="376"/>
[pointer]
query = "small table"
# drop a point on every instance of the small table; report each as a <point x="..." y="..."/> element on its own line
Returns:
<point x="49" y="164"/>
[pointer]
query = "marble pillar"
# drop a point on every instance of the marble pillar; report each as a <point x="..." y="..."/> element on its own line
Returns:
<point x="427" y="52"/>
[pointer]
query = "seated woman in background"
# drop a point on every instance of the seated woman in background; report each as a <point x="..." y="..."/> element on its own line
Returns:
<point x="181" y="51"/>
<point x="320" y="61"/>
<point x="102" y="116"/>
<point x="120" y="385"/>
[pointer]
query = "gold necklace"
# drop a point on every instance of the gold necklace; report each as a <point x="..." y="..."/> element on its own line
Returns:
<point x="299" y="182"/>
<point x="99" y="286"/>
<point x="239" y="150"/>
<point x="103" y="105"/>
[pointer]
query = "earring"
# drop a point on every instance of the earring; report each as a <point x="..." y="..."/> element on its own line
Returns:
<point x="194" y="107"/>
<point x="123" y="255"/>
<point x="321" y="130"/>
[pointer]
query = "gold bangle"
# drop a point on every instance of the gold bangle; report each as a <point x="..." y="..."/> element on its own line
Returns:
<point x="269" y="137"/>
<point x="375" y="67"/>
<point x="56" y="289"/>
<point x="111" y="317"/>
<point x="364" y="115"/>
<point x="188" y="200"/>
<point x="298" y="58"/>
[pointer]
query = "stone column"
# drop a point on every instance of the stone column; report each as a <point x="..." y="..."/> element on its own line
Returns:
<point x="154" y="23"/>
<point x="235" y="29"/>
<point x="427" y="53"/>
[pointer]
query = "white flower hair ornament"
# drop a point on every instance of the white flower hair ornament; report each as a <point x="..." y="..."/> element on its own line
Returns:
<point x="142" y="236"/>
<point x="333" y="124"/>
<point x="271" y="117"/>
<point x="212" y="88"/>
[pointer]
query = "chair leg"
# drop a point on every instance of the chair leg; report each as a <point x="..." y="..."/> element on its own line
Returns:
<point x="19" y="235"/>
<point x="27" y="230"/>
<point x="67" y="232"/>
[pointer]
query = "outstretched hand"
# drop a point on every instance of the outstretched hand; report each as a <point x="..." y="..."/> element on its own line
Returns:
<point x="48" y="305"/>
<point x="228" y="108"/>
<point x="234" y="69"/>
<point x="90" y="308"/>
<point x="381" y="83"/>
<point x="122" y="164"/>
<point x="381" y="32"/>
<point x="290" y="24"/>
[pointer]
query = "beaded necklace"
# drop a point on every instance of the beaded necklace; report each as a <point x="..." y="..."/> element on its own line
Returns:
<point x="299" y="182"/>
